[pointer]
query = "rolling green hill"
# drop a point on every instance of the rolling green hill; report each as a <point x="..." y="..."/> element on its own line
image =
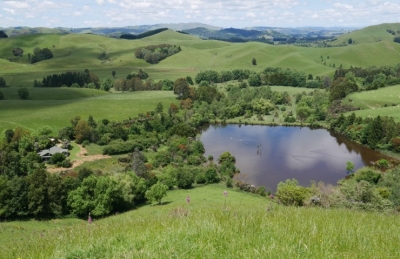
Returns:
<point x="370" y="34"/>
<point x="76" y="52"/>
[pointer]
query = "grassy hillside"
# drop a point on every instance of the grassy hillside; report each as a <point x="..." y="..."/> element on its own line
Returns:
<point x="76" y="52"/>
<point x="55" y="107"/>
<point x="370" y="34"/>
<point x="246" y="227"/>
<point x="383" y="102"/>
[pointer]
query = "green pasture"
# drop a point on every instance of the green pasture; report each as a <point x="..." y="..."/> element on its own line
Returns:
<point x="384" y="102"/>
<point x="52" y="109"/>
<point x="369" y="34"/>
<point x="77" y="52"/>
<point x="240" y="225"/>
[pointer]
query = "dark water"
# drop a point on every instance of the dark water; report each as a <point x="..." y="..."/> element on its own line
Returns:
<point x="267" y="155"/>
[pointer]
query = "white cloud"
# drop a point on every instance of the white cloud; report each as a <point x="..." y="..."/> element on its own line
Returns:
<point x="226" y="13"/>
<point x="17" y="4"/>
<point x="9" y="10"/>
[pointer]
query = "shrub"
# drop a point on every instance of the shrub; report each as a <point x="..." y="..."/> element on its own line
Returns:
<point x="1" y="96"/>
<point x="290" y="193"/>
<point x="211" y="175"/>
<point x="184" y="179"/>
<point x="57" y="158"/>
<point x="23" y="93"/>
<point x="367" y="174"/>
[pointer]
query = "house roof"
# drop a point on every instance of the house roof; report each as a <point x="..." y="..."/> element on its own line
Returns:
<point x="52" y="151"/>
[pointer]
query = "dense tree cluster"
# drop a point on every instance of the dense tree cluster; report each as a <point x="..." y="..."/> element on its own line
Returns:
<point x="3" y="35"/>
<point x="371" y="77"/>
<point x="142" y="35"/>
<point x="155" y="53"/>
<point x="17" y="52"/>
<point x="41" y="54"/>
<point x="284" y="77"/>
<point x="212" y="76"/>
<point x="396" y="39"/>
<point x="70" y="79"/>
<point x="378" y="133"/>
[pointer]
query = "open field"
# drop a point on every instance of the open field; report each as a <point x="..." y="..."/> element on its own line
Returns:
<point x="373" y="102"/>
<point x="248" y="226"/>
<point x="76" y="52"/>
<point x="53" y="110"/>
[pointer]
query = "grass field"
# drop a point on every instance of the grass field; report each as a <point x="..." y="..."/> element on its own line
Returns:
<point x="55" y="107"/>
<point x="371" y="34"/>
<point x="76" y="52"/>
<point x="373" y="102"/>
<point x="247" y="226"/>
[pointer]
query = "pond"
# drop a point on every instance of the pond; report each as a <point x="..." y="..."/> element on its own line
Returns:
<point x="267" y="155"/>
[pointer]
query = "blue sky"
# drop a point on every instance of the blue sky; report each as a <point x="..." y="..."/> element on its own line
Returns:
<point x="224" y="13"/>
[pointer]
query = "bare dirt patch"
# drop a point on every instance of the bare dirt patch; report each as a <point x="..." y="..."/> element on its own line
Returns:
<point x="81" y="158"/>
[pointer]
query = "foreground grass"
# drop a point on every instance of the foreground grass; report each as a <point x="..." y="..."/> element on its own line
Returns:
<point x="247" y="227"/>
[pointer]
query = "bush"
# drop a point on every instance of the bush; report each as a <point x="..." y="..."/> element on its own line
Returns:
<point x="57" y="158"/>
<point x="3" y="82"/>
<point x="211" y="175"/>
<point x="367" y="174"/>
<point x="1" y="96"/>
<point x="184" y="179"/>
<point x="23" y="93"/>
<point x="290" y="193"/>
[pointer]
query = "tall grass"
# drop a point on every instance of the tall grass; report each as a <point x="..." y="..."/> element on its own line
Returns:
<point x="250" y="227"/>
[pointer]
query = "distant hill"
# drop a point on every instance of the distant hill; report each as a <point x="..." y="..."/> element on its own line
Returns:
<point x="371" y="34"/>
<point x="233" y="34"/>
<point x="109" y="31"/>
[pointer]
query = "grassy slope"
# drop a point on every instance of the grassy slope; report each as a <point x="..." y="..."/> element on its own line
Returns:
<point x="55" y="107"/>
<point x="80" y="51"/>
<point x="373" y="102"/>
<point x="246" y="229"/>
<point x="370" y="34"/>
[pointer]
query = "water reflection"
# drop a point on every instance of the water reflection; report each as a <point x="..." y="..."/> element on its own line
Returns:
<point x="267" y="155"/>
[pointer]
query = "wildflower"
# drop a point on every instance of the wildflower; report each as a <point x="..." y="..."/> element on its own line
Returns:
<point x="188" y="199"/>
<point x="225" y="193"/>
<point x="271" y="196"/>
<point x="90" y="219"/>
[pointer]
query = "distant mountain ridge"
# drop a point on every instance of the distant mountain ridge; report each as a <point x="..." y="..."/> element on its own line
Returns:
<point x="108" y="31"/>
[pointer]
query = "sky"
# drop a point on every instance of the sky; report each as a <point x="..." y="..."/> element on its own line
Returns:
<point x="223" y="13"/>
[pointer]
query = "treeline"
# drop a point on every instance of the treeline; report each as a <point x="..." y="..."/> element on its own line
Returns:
<point x="75" y="79"/>
<point x="140" y="81"/>
<point x="377" y="133"/>
<point x="142" y="35"/>
<point x="269" y="76"/>
<point x="371" y="77"/>
<point x="155" y="53"/>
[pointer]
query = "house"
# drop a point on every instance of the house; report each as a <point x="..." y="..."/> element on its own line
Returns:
<point x="46" y="154"/>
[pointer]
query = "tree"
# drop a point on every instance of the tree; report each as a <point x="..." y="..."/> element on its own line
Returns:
<point x="41" y="54"/>
<point x="3" y="82"/>
<point x="254" y="79"/>
<point x="350" y="41"/>
<point x="106" y="84"/>
<point x="254" y="62"/>
<point x="157" y="192"/>
<point x="17" y="52"/>
<point x="113" y="73"/>
<point x="181" y="88"/>
<point x="82" y="131"/>
<point x="23" y="93"/>
<point x="1" y="95"/>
